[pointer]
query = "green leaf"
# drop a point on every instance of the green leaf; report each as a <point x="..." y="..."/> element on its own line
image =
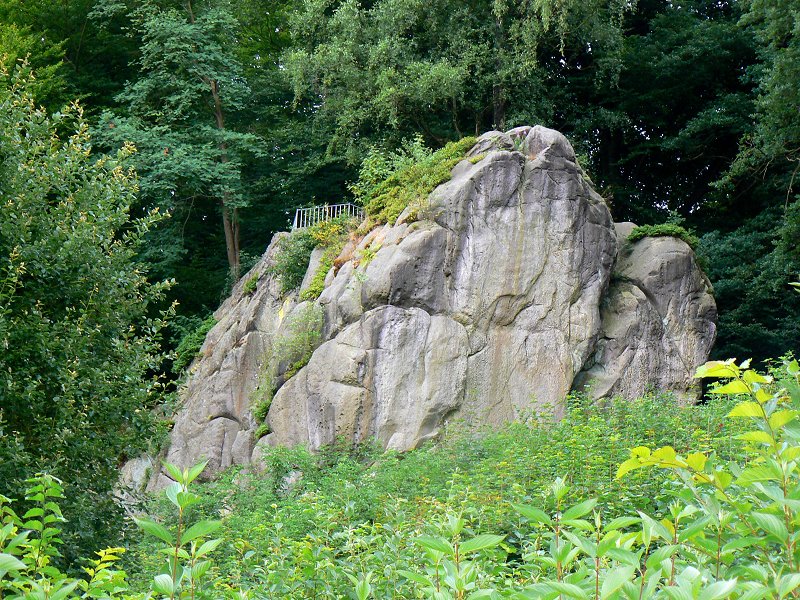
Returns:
<point x="581" y="542"/>
<point x="568" y="589"/>
<point x="533" y="514"/>
<point x="438" y="544"/>
<point x="207" y="547"/>
<point x="63" y="592"/>
<point x="737" y="386"/>
<point x="416" y="577"/>
<point x="788" y="583"/>
<point x="717" y="368"/>
<point x="186" y="499"/>
<point x="756" y="436"/>
<point x="172" y="491"/>
<point x="162" y="584"/>
<point x="747" y="409"/>
<point x="696" y="461"/>
<point x="481" y="594"/>
<point x="718" y="590"/>
<point x="752" y="377"/>
<point x="780" y="418"/>
<point x="155" y="529"/>
<point x="758" y="473"/>
<point x="620" y="523"/>
<point x="481" y="542"/>
<point x="195" y="471"/>
<point x="615" y="579"/>
<point x="199" y="570"/>
<point x="200" y="529"/>
<point x="628" y="466"/>
<point x="772" y="524"/>
<point x="174" y="472"/>
<point x="579" y="510"/>
<point x="10" y="563"/>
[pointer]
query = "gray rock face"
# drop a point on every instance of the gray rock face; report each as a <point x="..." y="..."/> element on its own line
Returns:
<point x="511" y="289"/>
<point x="659" y="322"/>
<point x="508" y="265"/>
<point x="394" y="374"/>
<point x="214" y="422"/>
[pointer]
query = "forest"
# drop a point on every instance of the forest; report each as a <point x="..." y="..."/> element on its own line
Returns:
<point x="149" y="151"/>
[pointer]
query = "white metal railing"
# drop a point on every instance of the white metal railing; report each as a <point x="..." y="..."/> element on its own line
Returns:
<point x="307" y="217"/>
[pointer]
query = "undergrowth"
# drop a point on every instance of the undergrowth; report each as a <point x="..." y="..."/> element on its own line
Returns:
<point x="298" y="529"/>
<point x="626" y="501"/>
<point x="189" y="347"/>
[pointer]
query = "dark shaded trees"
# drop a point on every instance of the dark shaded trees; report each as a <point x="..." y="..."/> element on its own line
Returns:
<point x="177" y="112"/>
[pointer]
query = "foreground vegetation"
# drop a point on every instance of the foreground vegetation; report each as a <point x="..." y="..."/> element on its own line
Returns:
<point x="538" y="510"/>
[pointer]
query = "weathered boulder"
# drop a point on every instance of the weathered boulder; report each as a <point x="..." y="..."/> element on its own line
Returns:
<point x="659" y="322"/>
<point x="513" y="255"/>
<point x="395" y="374"/>
<point x="511" y="289"/>
<point x="214" y="421"/>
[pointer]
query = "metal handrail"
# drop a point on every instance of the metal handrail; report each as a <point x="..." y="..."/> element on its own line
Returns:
<point x="308" y="217"/>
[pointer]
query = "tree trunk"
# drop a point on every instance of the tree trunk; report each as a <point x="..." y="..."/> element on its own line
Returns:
<point x="498" y="89"/>
<point x="230" y="223"/>
<point x="498" y="107"/>
<point x="230" y="214"/>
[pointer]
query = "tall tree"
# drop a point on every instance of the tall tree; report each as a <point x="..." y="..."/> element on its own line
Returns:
<point x="19" y="45"/>
<point x="757" y="253"/>
<point x="190" y="82"/>
<point x="95" y="55"/>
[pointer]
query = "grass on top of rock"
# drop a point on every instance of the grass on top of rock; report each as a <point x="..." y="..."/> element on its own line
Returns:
<point x="389" y="182"/>
<point x="664" y="230"/>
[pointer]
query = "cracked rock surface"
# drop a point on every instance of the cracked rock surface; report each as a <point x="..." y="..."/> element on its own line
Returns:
<point x="512" y="288"/>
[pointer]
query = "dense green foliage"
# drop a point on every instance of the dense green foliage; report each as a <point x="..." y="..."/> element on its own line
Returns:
<point x="683" y="106"/>
<point x="194" y="334"/>
<point x="291" y="261"/>
<point x="483" y="515"/>
<point x="664" y="230"/>
<point x="178" y="111"/>
<point x="242" y="110"/>
<point x="78" y="333"/>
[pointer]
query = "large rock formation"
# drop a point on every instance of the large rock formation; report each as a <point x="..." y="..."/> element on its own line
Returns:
<point x="511" y="289"/>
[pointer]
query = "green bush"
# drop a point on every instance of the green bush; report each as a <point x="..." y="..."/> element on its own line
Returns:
<point x="29" y="545"/>
<point x="81" y="321"/>
<point x="664" y="230"/>
<point x="250" y="285"/>
<point x="294" y="253"/>
<point x="291" y="259"/>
